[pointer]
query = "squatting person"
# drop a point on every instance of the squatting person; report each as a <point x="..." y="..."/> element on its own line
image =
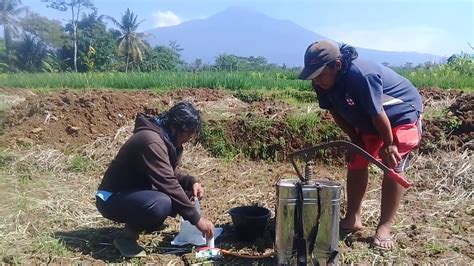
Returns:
<point x="142" y="186"/>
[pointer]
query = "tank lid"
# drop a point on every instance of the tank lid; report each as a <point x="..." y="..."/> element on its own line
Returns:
<point x="323" y="183"/>
<point x="287" y="182"/>
<point x="327" y="183"/>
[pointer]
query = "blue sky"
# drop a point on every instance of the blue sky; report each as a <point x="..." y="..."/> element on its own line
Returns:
<point x="441" y="27"/>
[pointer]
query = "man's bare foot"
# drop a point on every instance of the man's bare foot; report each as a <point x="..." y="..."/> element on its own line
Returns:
<point x="350" y="224"/>
<point x="383" y="239"/>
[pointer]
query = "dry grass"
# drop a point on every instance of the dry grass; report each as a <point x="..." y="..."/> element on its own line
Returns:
<point x="48" y="211"/>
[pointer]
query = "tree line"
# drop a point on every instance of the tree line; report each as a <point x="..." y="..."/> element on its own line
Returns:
<point x="35" y="43"/>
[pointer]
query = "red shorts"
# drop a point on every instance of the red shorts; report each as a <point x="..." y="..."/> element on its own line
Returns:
<point x="407" y="137"/>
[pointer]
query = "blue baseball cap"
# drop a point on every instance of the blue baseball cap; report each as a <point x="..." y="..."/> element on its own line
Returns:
<point x="317" y="56"/>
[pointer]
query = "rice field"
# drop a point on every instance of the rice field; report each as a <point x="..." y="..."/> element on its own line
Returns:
<point x="157" y="80"/>
<point x="440" y="77"/>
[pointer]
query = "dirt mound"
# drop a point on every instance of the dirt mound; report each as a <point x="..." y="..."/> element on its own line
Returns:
<point x="12" y="97"/>
<point x="454" y="129"/>
<point x="434" y="94"/>
<point x="196" y="95"/>
<point x="208" y="101"/>
<point x="74" y="118"/>
<point x="463" y="109"/>
<point x="270" y="108"/>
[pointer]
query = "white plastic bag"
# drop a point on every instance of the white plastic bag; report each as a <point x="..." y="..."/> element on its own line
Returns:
<point x="189" y="234"/>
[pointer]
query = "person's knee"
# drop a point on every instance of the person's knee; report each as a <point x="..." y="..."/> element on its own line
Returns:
<point x="158" y="208"/>
<point x="161" y="206"/>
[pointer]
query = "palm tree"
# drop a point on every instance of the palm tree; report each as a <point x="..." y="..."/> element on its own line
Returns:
<point x="130" y="42"/>
<point x="9" y="12"/>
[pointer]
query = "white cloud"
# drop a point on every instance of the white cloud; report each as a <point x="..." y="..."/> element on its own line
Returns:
<point x="417" y="38"/>
<point x="166" y="18"/>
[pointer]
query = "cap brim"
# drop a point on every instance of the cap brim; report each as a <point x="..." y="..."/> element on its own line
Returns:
<point x="310" y="73"/>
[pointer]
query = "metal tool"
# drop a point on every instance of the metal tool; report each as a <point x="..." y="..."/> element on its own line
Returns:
<point x="310" y="153"/>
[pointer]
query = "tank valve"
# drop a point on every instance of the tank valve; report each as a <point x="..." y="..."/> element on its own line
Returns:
<point x="308" y="170"/>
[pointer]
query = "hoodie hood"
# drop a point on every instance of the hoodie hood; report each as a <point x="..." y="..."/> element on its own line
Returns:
<point x="147" y="122"/>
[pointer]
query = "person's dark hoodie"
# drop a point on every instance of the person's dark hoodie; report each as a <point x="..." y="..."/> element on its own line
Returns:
<point x="148" y="161"/>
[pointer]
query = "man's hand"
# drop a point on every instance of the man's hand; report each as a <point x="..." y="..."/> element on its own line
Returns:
<point x="198" y="191"/>
<point x="206" y="227"/>
<point x="390" y="155"/>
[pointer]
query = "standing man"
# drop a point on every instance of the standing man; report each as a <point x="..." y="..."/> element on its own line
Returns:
<point x="380" y="111"/>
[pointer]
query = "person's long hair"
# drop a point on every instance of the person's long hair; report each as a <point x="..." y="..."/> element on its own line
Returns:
<point x="348" y="54"/>
<point x="183" y="117"/>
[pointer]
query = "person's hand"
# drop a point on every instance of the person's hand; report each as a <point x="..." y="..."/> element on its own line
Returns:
<point x="206" y="227"/>
<point x="198" y="191"/>
<point x="390" y="155"/>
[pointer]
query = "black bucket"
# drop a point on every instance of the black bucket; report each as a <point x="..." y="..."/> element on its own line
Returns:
<point x="249" y="222"/>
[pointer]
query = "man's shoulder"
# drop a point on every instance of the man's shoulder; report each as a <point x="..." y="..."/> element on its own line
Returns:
<point x="362" y="67"/>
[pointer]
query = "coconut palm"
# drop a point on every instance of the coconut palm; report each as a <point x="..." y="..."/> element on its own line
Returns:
<point x="130" y="43"/>
<point x="10" y="10"/>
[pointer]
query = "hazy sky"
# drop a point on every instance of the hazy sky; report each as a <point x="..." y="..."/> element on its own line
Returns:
<point x="441" y="27"/>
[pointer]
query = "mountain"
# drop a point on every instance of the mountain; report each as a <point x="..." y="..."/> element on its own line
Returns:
<point x="245" y="32"/>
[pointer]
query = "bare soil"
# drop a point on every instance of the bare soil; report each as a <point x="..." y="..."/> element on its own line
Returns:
<point x="434" y="223"/>
<point x="75" y="118"/>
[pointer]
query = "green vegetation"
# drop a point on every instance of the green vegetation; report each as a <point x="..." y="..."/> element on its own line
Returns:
<point x="85" y="44"/>
<point x="3" y="116"/>
<point x="5" y="158"/>
<point x="46" y="243"/>
<point x="290" y="96"/>
<point x="283" y="83"/>
<point x="262" y="138"/>
<point x="80" y="164"/>
<point x="458" y="73"/>
<point x="435" y="247"/>
<point x="159" y="80"/>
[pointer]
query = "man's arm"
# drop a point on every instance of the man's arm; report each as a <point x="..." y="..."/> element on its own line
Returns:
<point x="389" y="151"/>
<point x="158" y="168"/>
<point x="383" y="127"/>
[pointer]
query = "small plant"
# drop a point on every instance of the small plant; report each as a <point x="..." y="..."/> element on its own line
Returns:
<point x="249" y="96"/>
<point x="435" y="248"/>
<point x="80" y="164"/>
<point x="214" y="138"/>
<point x="5" y="158"/>
<point x="453" y="123"/>
<point x="3" y="117"/>
<point x="47" y="244"/>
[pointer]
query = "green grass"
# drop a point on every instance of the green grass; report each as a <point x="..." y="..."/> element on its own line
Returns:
<point x="442" y="76"/>
<point x="435" y="247"/>
<point x="291" y="96"/>
<point x="158" y="80"/>
<point x="47" y="244"/>
<point x="263" y="138"/>
<point x="5" y="158"/>
<point x="3" y="115"/>
<point x="80" y="164"/>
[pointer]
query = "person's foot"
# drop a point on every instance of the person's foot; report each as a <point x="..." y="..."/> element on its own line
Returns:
<point x="127" y="245"/>
<point x="383" y="239"/>
<point x="350" y="224"/>
<point x="384" y="243"/>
